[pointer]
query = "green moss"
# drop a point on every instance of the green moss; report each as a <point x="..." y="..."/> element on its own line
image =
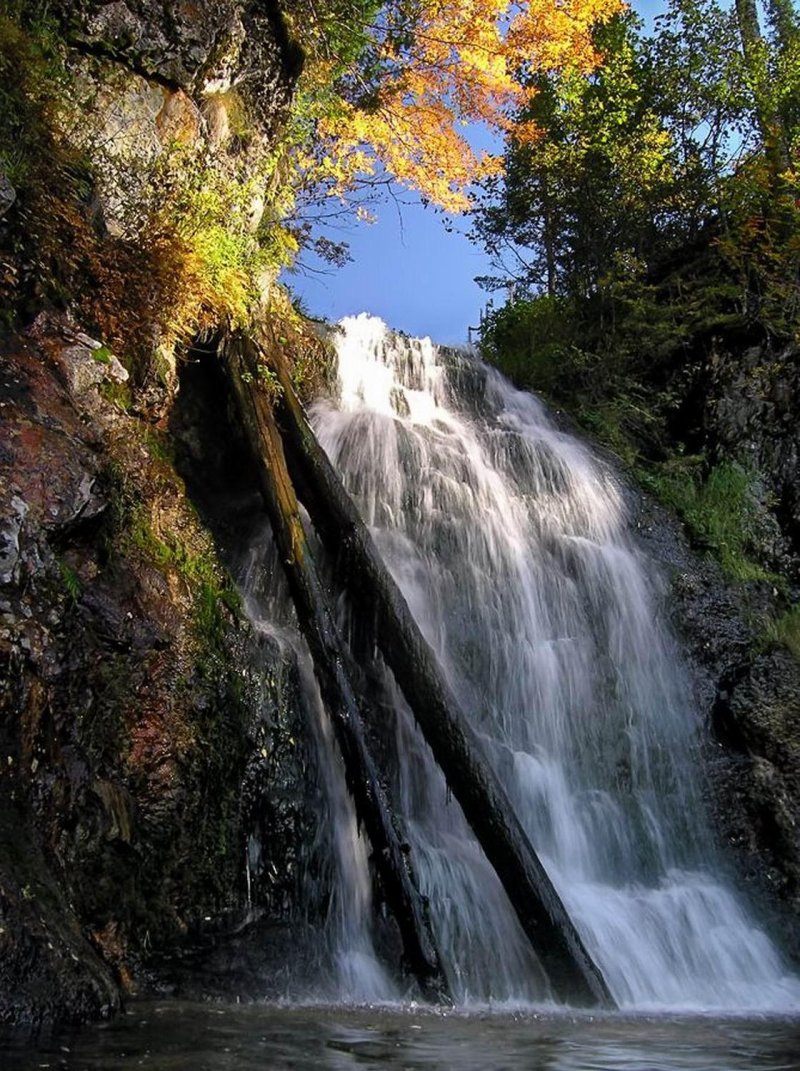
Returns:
<point x="784" y="631"/>
<point x="718" y="507"/>
<point x="102" y="355"/>
<point x="211" y="594"/>
<point x="70" y="580"/>
<point x="118" y="394"/>
<point x="159" y="446"/>
<point x="192" y="556"/>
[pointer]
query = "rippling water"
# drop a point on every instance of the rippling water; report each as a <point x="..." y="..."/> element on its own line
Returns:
<point x="172" y="1036"/>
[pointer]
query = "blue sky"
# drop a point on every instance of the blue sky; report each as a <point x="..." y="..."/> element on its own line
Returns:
<point x="407" y="268"/>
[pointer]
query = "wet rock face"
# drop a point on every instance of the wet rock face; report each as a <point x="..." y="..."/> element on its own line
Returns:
<point x="748" y="397"/>
<point x="142" y="722"/>
<point x="761" y="714"/>
<point x="749" y="697"/>
<point x="151" y="781"/>
<point x="48" y="970"/>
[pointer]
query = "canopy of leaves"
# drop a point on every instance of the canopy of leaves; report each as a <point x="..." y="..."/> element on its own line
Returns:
<point x="688" y="135"/>
<point x="394" y="85"/>
<point x="573" y="198"/>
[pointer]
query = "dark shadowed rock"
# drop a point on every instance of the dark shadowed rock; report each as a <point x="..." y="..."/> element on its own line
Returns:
<point x="752" y="400"/>
<point x="144" y="728"/>
<point x="8" y="194"/>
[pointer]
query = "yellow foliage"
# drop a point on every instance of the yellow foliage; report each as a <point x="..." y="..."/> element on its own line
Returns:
<point x="443" y="65"/>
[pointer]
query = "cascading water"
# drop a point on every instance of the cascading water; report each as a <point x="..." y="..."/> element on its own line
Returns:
<point x="345" y="967"/>
<point x="508" y="540"/>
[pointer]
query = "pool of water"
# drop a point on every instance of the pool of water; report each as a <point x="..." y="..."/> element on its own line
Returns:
<point x="176" y="1036"/>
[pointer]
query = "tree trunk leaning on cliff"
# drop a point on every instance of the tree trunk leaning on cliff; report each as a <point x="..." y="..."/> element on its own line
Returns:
<point x="330" y="657"/>
<point x="572" y="972"/>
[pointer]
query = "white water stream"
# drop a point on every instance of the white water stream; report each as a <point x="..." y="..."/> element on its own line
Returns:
<point x="508" y="539"/>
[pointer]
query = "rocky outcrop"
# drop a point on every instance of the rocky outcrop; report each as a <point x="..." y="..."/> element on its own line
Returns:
<point x="140" y="716"/>
<point x="174" y="74"/>
<point x="749" y="384"/>
<point x="148" y="186"/>
<point x="200" y="48"/>
<point x="752" y="398"/>
<point x="152" y="779"/>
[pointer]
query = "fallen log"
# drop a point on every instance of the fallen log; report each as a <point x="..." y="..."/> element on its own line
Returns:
<point x="573" y="974"/>
<point x="330" y="657"/>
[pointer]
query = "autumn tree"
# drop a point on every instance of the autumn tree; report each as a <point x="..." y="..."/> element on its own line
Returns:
<point x="393" y="86"/>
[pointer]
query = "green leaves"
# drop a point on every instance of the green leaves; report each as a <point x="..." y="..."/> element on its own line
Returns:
<point x="585" y="191"/>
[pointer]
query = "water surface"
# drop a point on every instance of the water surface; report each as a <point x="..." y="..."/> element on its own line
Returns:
<point x="174" y="1036"/>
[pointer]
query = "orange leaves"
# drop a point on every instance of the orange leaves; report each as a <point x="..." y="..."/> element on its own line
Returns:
<point x="553" y="36"/>
<point x="417" y="143"/>
<point x="437" y="66"/>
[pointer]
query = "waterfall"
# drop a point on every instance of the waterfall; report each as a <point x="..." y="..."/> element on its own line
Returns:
<point x="509" y="542"/>
<point x="344" y="965"/>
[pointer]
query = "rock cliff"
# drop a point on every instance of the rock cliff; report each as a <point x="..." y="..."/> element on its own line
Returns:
<point x="140" y="715"/>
